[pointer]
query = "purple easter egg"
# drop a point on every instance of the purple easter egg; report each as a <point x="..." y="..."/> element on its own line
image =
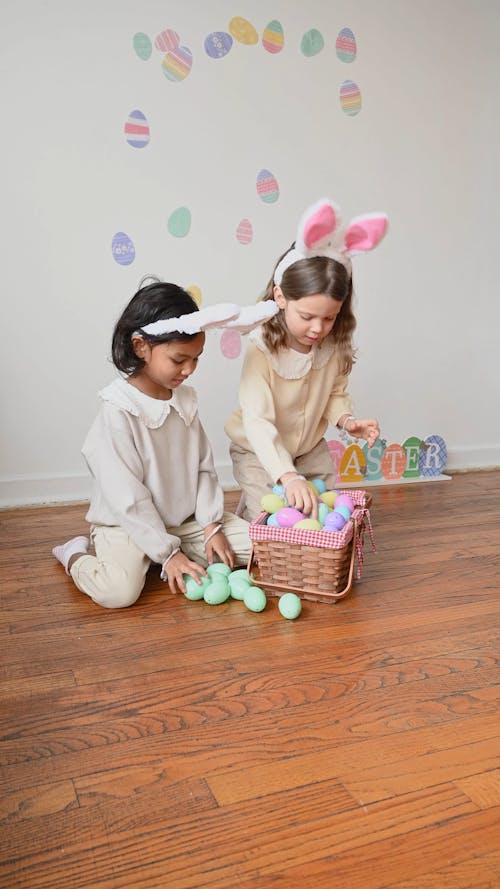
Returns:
<point x="288" y="516"/>
<point x="334" y="521"/>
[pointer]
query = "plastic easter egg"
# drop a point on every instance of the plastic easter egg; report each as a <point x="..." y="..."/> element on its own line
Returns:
<point x="350" y="98"/>
<point x="230" y="343"/>
<point x="123" y="249"/>
<point x="255" y="599"/>
<point x="345" y="45"/>
<point x="217" y="592"/>
<point x="334" y="522"/>
<point x="329" y="497"/>
<point x="323" y="511"/>
<point x="353" y="464"/>
<point x="218" y="44"/>
<point x="238" y="588"/>
<point x="177" y="63"/>
<point x="272" y="503"/>
<point x="273" y="520"/>
<point x="320" y="485"/>
<point x="218" y="569"/>
<point x="243" y="31"/>
<point x="313" y="487"/>
<point x="308" y="525"/>
<point x="267" y="187"/>
<point x="344" y="511"/>
<point x="288" y="517"/>
<point x="240" y="574"/>
<point x="167" y="40"/>
<point x="137" y="130"/>
<point x="289" y="606"/>
<point x="433" y="456"/>
<point x="179" y="222"/>
<point x="273" y="38"/>
<point x="345" y="500"/>
<point x="142" y="45"/>
<point x="244" y="232"/>
<point x="195" y="591"/>
<point x="279" y="490"/>
<point x="312" y="43"/>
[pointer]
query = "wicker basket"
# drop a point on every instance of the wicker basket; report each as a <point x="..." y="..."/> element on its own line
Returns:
<point x="316" y="565"/>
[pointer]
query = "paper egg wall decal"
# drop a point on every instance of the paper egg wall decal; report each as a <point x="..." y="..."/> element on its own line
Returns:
<point x="312" y="43"/>
<point x="122" y="249"/>
<point x="179" y="222"/>
<point x="142" y="45"/>
<point x="273" y="38"/>
<point x="218" y="44"/>
<point x="230" y="343"/>
<point x="195" y="292"/>
<point x="345" y="45"/>
<point x="267" y="187"/>
<point x="177" y="63"/>
<point x="350" y="98"/>
<point x="433" y="456"/>
<point x="243" y="31"/>
<point x="244" y="232"/>
<point x="167" y="40"/>
<point x="137" y="130"/>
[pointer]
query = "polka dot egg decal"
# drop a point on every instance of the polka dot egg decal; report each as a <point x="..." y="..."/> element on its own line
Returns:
<point x="122" y="249"/>
<point x="267" y="187"/>
<point x="177" y="63"/>
<point x="142" y="46"/>
<point x="137" y="130"/>
<point x="346" y="45"/>
<point x="273" y="38"/>
<point x="218" y="44"/>
<point x="167" y="40"/>
<point x="230" y="343"/>
<point x="179" y="222"/>
<point x="350" y="98"/>
<point x="312" y="43"/>
<point x="244" y="232"/>
<point x="243" y="31"/>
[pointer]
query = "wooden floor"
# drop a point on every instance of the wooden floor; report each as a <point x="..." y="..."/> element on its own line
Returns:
<point x="176" y="744"/>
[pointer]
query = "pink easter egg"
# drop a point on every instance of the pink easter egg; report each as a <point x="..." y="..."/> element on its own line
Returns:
<point x="244" y="232"/>
<point x="345" y="500"/>
<point x="167" y="40"/>
<point x="288" y="517"/>
<point x="230" y="343"/>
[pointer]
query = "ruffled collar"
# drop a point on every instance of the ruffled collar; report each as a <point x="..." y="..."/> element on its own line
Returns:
<point x="152" y="411"/>
<point x="292" y="365"/>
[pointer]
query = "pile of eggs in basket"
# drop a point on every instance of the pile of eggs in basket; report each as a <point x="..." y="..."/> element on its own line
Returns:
<point x="334" y="509"/>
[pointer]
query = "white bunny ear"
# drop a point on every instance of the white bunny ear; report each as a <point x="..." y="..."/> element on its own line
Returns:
<point x="317" y="225"/>
<point x="364" y="232"/>
<point x="194" y="322"/>
<point x="251" y="316"/>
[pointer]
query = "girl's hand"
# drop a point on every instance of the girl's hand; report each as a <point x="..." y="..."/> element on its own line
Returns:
<point x="179" y="565"/>
<point x="219" y="545"/>
<point x="299" y="495"/>
<point x="367" y="429"/>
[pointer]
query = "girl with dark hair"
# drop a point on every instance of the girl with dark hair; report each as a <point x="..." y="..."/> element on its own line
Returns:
<point x="295" y="374"/>
<point x="155" y="495"/>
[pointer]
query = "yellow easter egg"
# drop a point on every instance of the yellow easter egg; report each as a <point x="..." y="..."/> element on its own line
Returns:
<point x="313" y="488"/>
<point x="309" y="525"/>
<point x="329" y="497"/>
<point x="272" y="503"/>
<point x="243" y="31"/>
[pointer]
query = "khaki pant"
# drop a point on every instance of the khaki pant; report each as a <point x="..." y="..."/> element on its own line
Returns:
<point x="115" y="576"/>
<point x="254" y="481"/>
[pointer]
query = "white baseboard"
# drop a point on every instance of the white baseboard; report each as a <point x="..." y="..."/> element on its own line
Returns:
<point x="34" y="490"/>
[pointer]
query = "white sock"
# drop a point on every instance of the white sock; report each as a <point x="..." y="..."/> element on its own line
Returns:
<point x="64" y="552"/>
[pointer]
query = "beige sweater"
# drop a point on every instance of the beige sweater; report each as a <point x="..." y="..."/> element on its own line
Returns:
<point x="287" y="401"/>
<point x="152" y="467"/>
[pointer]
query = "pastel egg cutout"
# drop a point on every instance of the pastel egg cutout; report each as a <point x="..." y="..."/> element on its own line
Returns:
<point x="353" y="464"/>
<point x="244" y="232"/>
<point x="393" y="462"/>
<point x="177" y="64"/>
<point x="142" y="46"/>
<point x="273" y="37"/>
<point x="336" y="449"/>
<point x="179" y="222"/>
<point x="345" y="45"/>
<point x="167" y="40"/>
<point x="433" y="456"/>
<point x="312" y="43"/>
<point x="267" y="187"/>
<point x="230" y="344"/>
<point x="373" y="460"/>
<point x="136" y="130"/>
<point x="122" y="248"/>
<point x="243" y="31"/>
<point x="218" y="44"/>
<point x="350" y="98"/>
<point x="412" y="447"/>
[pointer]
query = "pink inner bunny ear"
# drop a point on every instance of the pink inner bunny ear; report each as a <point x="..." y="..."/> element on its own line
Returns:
<point x="365" y="232"/>
<point x="319" y="225"/>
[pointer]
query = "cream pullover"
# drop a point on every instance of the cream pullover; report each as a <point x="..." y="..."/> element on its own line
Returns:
<point x="287" y="399"/>
<point x="152" y="467"/>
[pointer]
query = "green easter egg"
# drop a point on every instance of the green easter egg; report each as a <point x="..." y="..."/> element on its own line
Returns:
<point x="308" y="525"/>
<point x="290" y="606"/>
<point x="179" y="222"/>
<point x="322" y="513"/>
<point x="255" y="598"/>
<point x="217" y="592"/>
<point x="218" y="568"/>
<point x="272" y="503"/>
<point x="238" y="587"/>
<point x="195" y="591"/>
<point x="329" y="497"/>
<point x="240" y="572"/>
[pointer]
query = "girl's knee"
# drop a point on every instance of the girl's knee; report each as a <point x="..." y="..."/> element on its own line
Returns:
<point x="107" y="583"/>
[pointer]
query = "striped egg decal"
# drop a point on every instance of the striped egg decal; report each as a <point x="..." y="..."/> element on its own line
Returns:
<point x="345" y="45"/>
<point x="273" y="38"/>
<point x="218" y="44"/>
<point x="177" y="63"/>
<point x="350" y="98"/>
<point x="267" y="187"/>
<point x="244" y="232"/>
<point x="167" y="40"/>
<point x="136" y="130"/>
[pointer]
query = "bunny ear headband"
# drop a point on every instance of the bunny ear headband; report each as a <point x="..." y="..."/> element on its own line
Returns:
<point x="226" y="315"/>
<point x="320" y="233"/>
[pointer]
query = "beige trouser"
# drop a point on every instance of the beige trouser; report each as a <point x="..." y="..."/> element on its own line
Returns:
<point x="254" y="481"/>
<point x="115" y="576"/>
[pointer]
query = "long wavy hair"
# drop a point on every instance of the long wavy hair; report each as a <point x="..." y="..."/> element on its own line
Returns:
<point x="307" y="277"/>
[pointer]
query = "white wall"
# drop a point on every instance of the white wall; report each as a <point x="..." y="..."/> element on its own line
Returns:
<point x="424" y="148"/>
